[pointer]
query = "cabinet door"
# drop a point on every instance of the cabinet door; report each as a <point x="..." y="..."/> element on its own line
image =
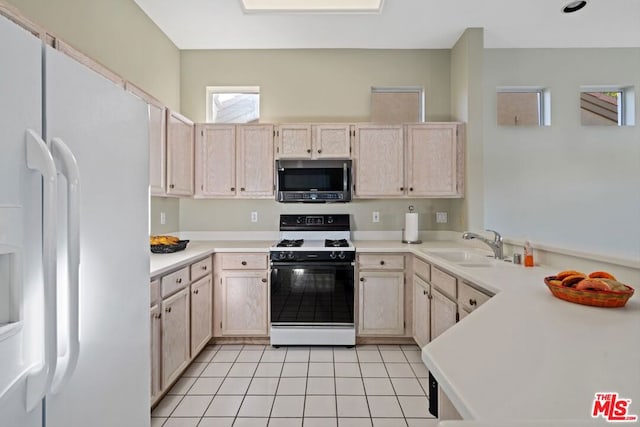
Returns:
<point x="215" y="161"/>
<point x="294" y="141"/>
<point x="201" y="311"/>
<point x="332" y="141"/>
<point x="156" y="337"/>
<point x="179" y="155"/>
<point x="157" y="150"/>
<point x="443" y="313"/>
<point x="175" y="336"/>
<point x="379" y="166"/>
<point x="245" y="303"/>
<point x="433" y="160"/>
<point x="381" y="303"/>
<point x="421" y="311"/>
<point x="255" y="161"/>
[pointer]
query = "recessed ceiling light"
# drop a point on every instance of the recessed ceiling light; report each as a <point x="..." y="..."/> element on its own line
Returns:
<point x="312" y="6"/>
<point x="574" y="6"/>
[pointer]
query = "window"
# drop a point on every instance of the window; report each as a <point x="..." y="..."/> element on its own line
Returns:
<point x="523" y="106"/>
<point x="607" y="106"/>
<point x="233" y="104"/>
<point x="397" y="104"/>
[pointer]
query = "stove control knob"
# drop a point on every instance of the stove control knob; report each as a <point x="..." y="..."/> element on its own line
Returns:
<point x="290" y="255"/>
<point x="300" y="220"/>
<point x="341" y="255"/>
<point x="333" y="255"/>
<point x="282" y="255"/>
<point x="330" y="220"/>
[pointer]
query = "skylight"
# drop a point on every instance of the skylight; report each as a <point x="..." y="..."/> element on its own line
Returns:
<point x="312" y="6"/>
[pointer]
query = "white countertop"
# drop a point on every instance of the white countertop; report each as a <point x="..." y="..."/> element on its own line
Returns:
<point x="163" y="263"/>
<point x="523" y="355"/>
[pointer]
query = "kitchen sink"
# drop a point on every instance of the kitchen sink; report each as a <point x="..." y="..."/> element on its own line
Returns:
<point x="462" y="257"/>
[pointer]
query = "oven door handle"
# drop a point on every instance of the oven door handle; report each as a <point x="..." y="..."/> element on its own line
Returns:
<point x="312" y="264"/>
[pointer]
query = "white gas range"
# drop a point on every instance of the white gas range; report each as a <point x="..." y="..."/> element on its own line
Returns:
<point x="312" y="281"/>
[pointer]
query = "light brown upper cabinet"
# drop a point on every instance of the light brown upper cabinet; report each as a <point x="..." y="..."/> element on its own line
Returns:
<point x="321" y="141"/>
<point x="234" y="161"/>
<point x="157" y="141"/>
<point x="180" y="131"/>
<point x="435" y="160"/>
<point x="417" y="160"/>
<point x="379" y="161"/>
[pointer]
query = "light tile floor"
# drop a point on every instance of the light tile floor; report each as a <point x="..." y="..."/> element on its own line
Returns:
<point x="263" y="386"/>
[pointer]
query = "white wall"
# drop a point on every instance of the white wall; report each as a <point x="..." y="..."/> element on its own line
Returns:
<point x="567" y="185"/>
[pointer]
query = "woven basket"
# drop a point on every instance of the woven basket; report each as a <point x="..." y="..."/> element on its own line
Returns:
<point x="594" y="298"/>
<point x="167" y="249"/>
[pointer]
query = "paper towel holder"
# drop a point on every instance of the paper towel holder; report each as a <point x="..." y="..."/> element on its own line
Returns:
<point x="411" y="209"/>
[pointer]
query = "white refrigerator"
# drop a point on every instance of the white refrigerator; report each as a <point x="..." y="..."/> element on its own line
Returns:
<point x="74" y="254"/>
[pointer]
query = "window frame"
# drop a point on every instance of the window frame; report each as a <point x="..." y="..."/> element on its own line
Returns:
<point x="405" y="89"/>
<point x="544" y="101"/>
<point x="626" y="102"/>
<point x="216" y="90"/>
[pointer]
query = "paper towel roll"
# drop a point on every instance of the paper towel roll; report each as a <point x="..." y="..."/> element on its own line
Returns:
<point x="411" y="227"/>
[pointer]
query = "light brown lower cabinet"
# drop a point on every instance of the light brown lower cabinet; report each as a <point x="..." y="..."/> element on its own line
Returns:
<point x="443" y="313"/>
<point x="181" y="322"/>
<point x="421" y="311"/>
<point x="245" y="296"/>
<point x="156" y="337"/>
<point x="175" y="335"/>
<point x="241" y="295"/>
<point x="201" y="313"/>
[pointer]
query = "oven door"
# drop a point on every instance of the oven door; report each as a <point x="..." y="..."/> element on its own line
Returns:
<point x="312" y="293"/>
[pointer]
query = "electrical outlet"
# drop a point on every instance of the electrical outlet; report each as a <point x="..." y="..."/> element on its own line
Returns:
<point x="441" y="217"/>
<point x="376" y="216"/>
<point x="254" y="216"/>
<point x="163" y="218"/>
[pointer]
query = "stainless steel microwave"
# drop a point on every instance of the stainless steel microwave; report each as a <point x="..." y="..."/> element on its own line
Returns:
<point x="313" y="181"/>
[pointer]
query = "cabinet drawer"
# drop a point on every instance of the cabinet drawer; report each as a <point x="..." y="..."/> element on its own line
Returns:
<point x="380" y="262"/>
<point x="154" y="292"/>
<point x="422" y="269"/>
<point x="175" y="281"/>
<point x="444" y="281"/>
<point x="471" y="298"/>
<point x="201" y="268"/>
<point x="244" y="261"/>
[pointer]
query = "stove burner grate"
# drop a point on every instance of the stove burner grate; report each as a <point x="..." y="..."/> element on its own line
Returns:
<point x="290" y="243"/>
<point x="336" y="243"/>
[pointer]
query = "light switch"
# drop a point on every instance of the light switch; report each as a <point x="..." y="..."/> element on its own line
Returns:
<point x="376" y="216"/>
<point x="441" y="217"/>
<point x="254" y="216"/>
<point x="163" y="218"/>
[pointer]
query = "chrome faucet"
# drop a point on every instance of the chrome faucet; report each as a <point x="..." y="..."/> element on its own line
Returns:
<point x="495" y="244"/>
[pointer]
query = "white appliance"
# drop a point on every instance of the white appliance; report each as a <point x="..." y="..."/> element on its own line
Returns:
<point x="74" y="255"/>
<point x="312" y="281"/>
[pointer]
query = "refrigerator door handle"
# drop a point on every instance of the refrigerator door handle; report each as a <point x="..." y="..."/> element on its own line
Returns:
<point x="68" y="166"/>
<point x="39" y="158"/>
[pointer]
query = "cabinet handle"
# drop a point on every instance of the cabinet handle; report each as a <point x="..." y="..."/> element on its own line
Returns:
<point x="204" y="267"/>
<point x="319" y="151"/>
<point x="424" y="292"/>
<point x="241" y="188"/>
<point x="157" y="315"/>
<point x="264" y="280"/>
<point x="179" y="280"/>
<point x="233" y="188"/>
<point x="410" y="188"/>
<point x="171" y="186"/>
<point x="401" y="188"/>
<point x="196" y="291"/>
<point x="168" y="309"/>
<point x="244" y="263"/>
<point x="309" y="150"/>
<point x="472" y="301"/>
<point x="362" y="279"/>
<point x="382" y="262"/>
<point x="429" y="296"/>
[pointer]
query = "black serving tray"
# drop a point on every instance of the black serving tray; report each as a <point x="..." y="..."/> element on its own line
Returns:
<point x="167" y="249"/>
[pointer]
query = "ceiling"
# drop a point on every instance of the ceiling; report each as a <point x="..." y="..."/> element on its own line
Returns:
<point x="402" y="24"/>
